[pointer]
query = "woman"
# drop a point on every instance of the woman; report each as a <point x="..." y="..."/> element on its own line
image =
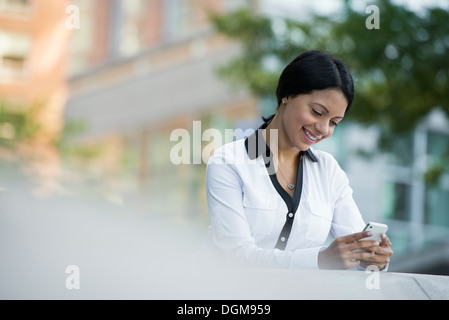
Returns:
<point x="273" y="200"/>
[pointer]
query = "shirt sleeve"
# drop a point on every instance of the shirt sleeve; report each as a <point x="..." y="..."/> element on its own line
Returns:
<point x="229" y="229"/>
<point x="347" y="218"/>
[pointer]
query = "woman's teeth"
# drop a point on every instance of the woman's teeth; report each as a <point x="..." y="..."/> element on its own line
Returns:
<point x="309" y="135"/>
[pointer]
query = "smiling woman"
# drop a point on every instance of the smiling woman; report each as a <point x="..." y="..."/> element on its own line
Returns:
<point x="307" y="120"/>
<point x="278" y="207"/>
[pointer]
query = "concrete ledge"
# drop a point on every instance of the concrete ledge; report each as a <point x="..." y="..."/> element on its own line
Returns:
<point x="126" y="256"/>
<point x="310" y="284"/>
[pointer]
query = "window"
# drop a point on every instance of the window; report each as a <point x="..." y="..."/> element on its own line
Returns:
<point x="397" y="201"/>
<point x="81" y="43"/>
<point x="184" y="17"/>
<point x="437" y="197"/>
<point x="133" y="16"/>
<point x="15" y="6"/>
<point x="437" y="206"/>
<point x="437" y="147"/>
<point x="233" y="5"/>
<point x="401" y="153"/>
<point x="14" y="50"/>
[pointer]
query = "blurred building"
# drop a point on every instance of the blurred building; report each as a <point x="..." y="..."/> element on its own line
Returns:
<point x="139" y="69"/>
<point x="33" y="59"/>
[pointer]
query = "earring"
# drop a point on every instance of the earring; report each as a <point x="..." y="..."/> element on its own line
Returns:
<point x="284" y="102"/>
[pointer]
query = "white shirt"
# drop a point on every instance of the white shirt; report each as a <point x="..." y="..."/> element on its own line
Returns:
<point x="248" y="210"/>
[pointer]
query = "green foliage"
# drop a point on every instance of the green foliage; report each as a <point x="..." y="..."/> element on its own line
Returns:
<point x="401" y="70"/>
<point x="70" y="148"/>
<point x="433" y="175"/>
<point x="257" y="37"/>
<point x="17" y="124"/>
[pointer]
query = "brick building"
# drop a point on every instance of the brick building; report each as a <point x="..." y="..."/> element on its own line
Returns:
<point x="33" y="59"/>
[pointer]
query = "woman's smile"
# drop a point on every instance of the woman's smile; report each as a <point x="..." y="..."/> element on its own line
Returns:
<point x="309" y="118"/>
<point x="310" y="137"/>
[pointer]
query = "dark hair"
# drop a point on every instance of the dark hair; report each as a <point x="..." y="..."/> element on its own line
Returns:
<point x="314" y="70"/>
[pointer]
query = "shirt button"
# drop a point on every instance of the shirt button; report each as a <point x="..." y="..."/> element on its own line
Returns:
<point x="282" y="239"/>
<point x="290" y="215"/>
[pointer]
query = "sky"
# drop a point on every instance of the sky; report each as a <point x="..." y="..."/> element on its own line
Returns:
<point x="300" y="8"/>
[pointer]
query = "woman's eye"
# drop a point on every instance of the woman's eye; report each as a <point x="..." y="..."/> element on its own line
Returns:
<point x="316" y="112"/>
<point x="335" y="124"/>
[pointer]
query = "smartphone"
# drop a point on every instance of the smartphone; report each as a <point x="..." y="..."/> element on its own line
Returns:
<point x="377" y="229"/>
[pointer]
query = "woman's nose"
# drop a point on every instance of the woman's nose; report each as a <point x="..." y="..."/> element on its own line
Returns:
<point x="322" y="127"/>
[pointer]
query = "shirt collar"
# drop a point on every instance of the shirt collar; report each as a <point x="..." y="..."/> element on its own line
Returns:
<point x="255" y="145"/>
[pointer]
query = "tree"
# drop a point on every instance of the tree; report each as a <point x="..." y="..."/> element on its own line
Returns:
<point x="401" y="70"/>
<point x="17" y="124"/>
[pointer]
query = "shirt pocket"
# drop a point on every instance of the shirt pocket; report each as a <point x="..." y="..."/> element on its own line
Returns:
<point x="260" y="209"/>
<point x="318" y="220"/>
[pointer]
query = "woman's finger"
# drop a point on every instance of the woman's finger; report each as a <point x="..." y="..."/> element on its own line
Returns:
<point x="354" y="237"/>
<point x="385" y="241"/>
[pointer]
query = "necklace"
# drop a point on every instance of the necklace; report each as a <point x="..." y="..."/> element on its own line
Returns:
<point x="289" y="185"/>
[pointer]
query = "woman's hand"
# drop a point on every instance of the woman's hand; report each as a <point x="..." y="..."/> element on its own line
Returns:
<point x="381" y="254"/>
<point x="340" y="254"/>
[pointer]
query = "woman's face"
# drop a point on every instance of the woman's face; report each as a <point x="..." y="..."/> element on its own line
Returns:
<point x="310" y="118"/>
